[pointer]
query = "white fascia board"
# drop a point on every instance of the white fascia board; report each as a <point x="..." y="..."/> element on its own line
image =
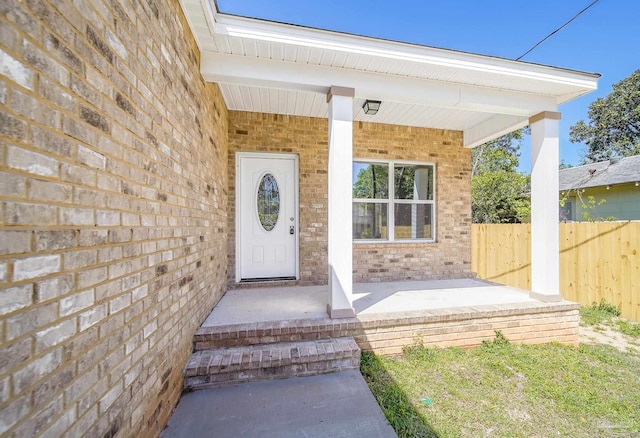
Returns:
<point x="254" y="29"/>
<point x="211" y="14"/>
<point x="493" y="128"/>
<point x="201" y="16"/>
<point x="242" y="70"/>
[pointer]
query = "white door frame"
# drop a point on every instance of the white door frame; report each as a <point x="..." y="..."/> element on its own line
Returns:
<point x="267" y="155"/>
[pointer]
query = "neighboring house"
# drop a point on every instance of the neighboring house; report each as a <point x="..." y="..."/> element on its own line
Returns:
<point x="156" y="153"/>
<point x="604" y="190"/>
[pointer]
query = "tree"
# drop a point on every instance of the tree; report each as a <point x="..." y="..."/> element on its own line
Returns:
<point x="499" y="194"/>
<point x="564" y="165"/>
<point x="499" y="154"/>
<point x="371" y="182"/>
<point x="613" y="129"/>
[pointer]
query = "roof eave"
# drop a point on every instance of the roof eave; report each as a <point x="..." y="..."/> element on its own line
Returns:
<point x="269" y="31"/>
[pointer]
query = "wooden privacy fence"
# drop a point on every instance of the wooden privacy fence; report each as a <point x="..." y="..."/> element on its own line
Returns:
<point x="597" y="260"/>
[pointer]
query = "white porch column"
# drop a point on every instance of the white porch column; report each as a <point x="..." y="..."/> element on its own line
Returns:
<point x="420" y="189"/>
<point x="545" y="238"/>
<point x="340" y="250"/>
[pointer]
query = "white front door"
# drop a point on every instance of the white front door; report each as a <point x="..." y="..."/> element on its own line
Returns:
<point x="267" y="216"/>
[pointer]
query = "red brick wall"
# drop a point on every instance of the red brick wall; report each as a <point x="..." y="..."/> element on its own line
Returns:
<point x="307" y="137"/>
<point x="113" y="227"/>
<point x="448" y="257"/>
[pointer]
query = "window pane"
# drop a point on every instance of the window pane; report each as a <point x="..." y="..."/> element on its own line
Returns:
<point x="369" y="220"/>
<point x="268" y="201"/>
<point x="413" y="182"/>
<point x="413" y="221"/>
<point x="371" y="181"/>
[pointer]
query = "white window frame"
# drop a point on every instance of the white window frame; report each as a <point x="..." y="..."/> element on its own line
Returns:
<point x="391" y="201"/>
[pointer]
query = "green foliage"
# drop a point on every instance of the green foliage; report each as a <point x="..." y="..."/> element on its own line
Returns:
<point x="589" y="206"/>
<point x="396" y="406"/>
<point x="500" y="197"/>
<point x="508" y="390"/>
<point x="497" y="343"/>
<point x="499" y="154"/>
<point x="614" y="123"/>
<point x="629" y="328"/>
<point x="605" y="307"/>
<point x="598" y="312"/>
<point x="499" y="194"/>
<point x="419" y="352"/>
<point x="372" y="182"/>
<point x="564" y="165"/>
<point x="604" y="313"/>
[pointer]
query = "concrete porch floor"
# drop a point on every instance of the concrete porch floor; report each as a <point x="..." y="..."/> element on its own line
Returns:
<point x="241" y="306"/>
<point x="390" y="316"/>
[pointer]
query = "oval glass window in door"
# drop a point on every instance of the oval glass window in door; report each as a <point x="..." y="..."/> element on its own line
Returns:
<point x="268" y="202"/>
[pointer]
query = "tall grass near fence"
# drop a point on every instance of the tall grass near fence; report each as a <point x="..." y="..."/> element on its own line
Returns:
<point x="598" y="260"/>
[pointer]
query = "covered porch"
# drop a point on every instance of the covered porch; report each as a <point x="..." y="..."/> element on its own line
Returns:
<point x="390" y="316"/>
<point x="333" y="100"/>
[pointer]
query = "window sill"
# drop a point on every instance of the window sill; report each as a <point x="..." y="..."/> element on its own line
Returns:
<point x="392" y="242"/>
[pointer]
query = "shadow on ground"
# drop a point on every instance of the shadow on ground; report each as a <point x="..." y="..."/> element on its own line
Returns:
<point x="396" y="406"/>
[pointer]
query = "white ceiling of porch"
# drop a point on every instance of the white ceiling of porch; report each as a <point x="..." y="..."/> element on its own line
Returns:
<point x="292" y="102"/>
<point x="278" y="68"/>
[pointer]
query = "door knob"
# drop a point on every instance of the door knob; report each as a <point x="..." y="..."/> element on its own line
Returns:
<point x="291" y="230"/>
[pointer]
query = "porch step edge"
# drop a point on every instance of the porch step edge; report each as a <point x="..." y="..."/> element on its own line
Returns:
<point x="300" y="330"/>
<point x="232" y="365"/>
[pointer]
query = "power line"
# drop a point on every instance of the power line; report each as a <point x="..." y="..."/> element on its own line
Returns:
<point x="555" y="31"/>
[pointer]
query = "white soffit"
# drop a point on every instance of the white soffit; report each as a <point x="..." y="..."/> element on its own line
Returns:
<point x="311" y="104"/>
<point x="285" y="69"/>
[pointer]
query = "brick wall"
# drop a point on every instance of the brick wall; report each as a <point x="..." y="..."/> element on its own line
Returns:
<point x="113" y="227"/>
<point x="448" y="257"/>
<point x="455" y="328"/>
<point x="307" y="137"/>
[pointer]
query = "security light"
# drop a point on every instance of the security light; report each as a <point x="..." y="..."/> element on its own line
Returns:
<point x="371" y="107"/>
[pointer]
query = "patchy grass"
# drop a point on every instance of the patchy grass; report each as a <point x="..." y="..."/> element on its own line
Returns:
<point x="629" y="328"/>
<point x="504" y="390"/>
<point x="606" y="314"/>
<point x="598" y="313"/>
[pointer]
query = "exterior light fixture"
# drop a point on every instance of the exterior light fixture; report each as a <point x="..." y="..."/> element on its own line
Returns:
<point x="371" y="107"/>
<point x="608" y="187"/>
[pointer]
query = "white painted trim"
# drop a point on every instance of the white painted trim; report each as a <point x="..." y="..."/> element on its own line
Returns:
<point x="269" y="31"/>
<point x="391" y="212"/>
<point x="481" y="82"/>
<point x="211" y="14"/>
<point x="494" y="127"/>
<point x="268" y="73"/>
<point x="261" y="30"/>
<point x="274" y="155"/>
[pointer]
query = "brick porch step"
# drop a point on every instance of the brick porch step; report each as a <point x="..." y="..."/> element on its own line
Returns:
<point x="223" y="366"/>
<point x="297" y="330"/>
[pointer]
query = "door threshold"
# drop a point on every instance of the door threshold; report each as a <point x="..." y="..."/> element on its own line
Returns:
<point x="256" y="280"/>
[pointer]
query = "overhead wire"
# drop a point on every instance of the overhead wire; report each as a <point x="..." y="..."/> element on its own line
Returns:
<point x="556" y="31"/>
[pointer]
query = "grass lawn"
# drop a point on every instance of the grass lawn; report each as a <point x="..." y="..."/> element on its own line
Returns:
<point x="505" y="390"/>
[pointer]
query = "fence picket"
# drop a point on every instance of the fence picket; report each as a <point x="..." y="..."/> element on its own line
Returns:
<point x="597" y="260"/>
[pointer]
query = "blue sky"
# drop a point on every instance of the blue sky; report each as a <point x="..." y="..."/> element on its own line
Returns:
<point x="605" y="39"/>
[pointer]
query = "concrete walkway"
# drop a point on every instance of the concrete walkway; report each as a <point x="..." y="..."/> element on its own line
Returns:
<point x="329" y="405"/>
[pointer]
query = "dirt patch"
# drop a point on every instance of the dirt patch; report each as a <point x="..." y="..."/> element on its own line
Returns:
<point x="603" y="334"/>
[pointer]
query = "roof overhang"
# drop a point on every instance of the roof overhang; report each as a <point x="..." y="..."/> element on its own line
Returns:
<point x="270" y="67"/>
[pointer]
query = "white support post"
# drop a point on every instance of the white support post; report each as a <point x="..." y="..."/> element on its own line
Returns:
<point x="545" y="237"/>
<point x="340" y="249"/>
<point x="420" y="189"/>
